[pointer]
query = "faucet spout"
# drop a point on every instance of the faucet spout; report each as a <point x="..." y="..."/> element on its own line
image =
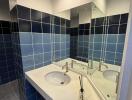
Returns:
<point x="102" y="64"/>
<point x="81" y="88"/>
<point x="65" y="66"/>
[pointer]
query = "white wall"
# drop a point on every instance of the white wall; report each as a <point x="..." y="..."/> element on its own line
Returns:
<point x="101" y="4"/>
<point x="40" y="5"/>
<point x="63" y="14"/>
<point x="85" y="14"/>
<point x="4" y="10"/>
<point x="62" y="5"/>
<point x="12" y="3"/>
<point x="125" y="86"/>
<point x="114" y="7"/>
<point x="74" y="21"/>
<point x="96" y="13"/>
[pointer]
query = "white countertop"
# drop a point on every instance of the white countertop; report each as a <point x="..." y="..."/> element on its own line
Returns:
<point x="66" y="92"/>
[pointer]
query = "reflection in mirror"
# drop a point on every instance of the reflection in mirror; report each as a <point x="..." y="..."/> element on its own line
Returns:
<point x="106" y="47"/>
<point x="91" y="42"/>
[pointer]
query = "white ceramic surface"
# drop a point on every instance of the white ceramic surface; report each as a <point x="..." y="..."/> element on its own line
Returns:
<point x="55" y="92"/>
<point x="110" y="75"/>
<point x="57" y="78"/>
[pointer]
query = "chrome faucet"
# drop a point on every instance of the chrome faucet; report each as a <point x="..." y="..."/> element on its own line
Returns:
<point x="81" y="88"/>
<point x="65" y="66"/>
<point x="90" y="64"/>
<point x="101" y="63"/>
<point x="117" y="81"/>
<point x="72" y="63"/>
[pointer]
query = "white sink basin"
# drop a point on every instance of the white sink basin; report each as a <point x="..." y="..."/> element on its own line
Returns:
<point x="57" y="78"/>
<point x="110" y="75"/>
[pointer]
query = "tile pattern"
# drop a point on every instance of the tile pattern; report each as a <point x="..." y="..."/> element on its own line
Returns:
<point x="80" y="42"/>
<point x="40" y="33"/>
<point x="83" y="41"/>
<point x="7" y="68"/>
<point x="34" y="41"/>
<point x="61" y="38"/>
<point x="73" y="42"/>
<point x="107" y="38"/>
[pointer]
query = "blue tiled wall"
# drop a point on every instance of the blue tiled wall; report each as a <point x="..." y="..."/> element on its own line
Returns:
<point x="83" y="41"/>
<point x="36" y="36"/>
<point x="44" y="35"/>
<point x="80" y="42"/>
<point x="107" y="38"/>
<point x="73" y="42"/>
<point x="104" y="40"/>
<point x="61" y="39"/>
<point x="7" y="68"/>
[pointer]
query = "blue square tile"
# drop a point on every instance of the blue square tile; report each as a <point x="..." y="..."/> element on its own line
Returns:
<point x="124" y="18"/>
<point x="91" y="45"/>
<point x="112" y="38"/>
<point x="57" y="54"/>
<point x="57" y="46"/>
<point x="57" y="20"/>
<point x="1" y="38"/>
<point x="121" y="38"/>
<point x="98" y="38"/>
<point x="36" y="27"/>
<point x="39" y="65"/>
<point x="63" y="53"/>
<point x="47" y="57"/>
<point x="46" y="38"/>
<point x="46" y="28"/>
<point x="63" y="46"/>
<point x="80" y="43"/>
<point x="37" y="38"/>
<point x="63" y="30"/>
<point x="110" y="56"/>
<point x="57" y="37"/>
<point x="96" y="54"/>
<point x="23" y="12"/>
<point x="28" y="61"/>
<point x="120" y="48"/>
<point x="47" y="47"/>
<point x="67" y="45"/>
<point x="111" y="47"/>
<point x="26" y="50"/>
<point x="91" y="38"/>
<point x="123" y="28"/>
<point x="63" y="38"/>
<point x="114" y="19"/>
<point x="97" y="46"/>
<point x="113" y="29"/>
<point x="57" y="29"/>
<point x="119" y="57"/>
<point x="7" y="37"/>
<point x="46" y="18"/>
<point x="24" y="26"/>
<point x="38" y="48"/>
<point x="35" y="15"/>
<point x="38" y="59"/>
<point x="47" y="63"/>
<point x="25" y="38"/>
<point x="109" y="61"/>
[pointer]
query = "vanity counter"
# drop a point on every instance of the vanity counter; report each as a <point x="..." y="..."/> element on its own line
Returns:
<point x="49" y="91"/>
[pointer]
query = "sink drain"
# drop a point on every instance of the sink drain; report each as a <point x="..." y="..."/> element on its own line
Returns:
<point x="108" y="95"/>
<point x="62" y="83"/>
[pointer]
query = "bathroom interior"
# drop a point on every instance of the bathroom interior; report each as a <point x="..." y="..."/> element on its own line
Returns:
<point x="65" y="49"/>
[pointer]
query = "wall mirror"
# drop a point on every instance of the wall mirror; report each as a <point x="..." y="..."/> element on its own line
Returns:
<point x="96" y="44"/>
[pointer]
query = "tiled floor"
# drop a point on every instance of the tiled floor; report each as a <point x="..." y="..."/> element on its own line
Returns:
<point x="9" y="91"/>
